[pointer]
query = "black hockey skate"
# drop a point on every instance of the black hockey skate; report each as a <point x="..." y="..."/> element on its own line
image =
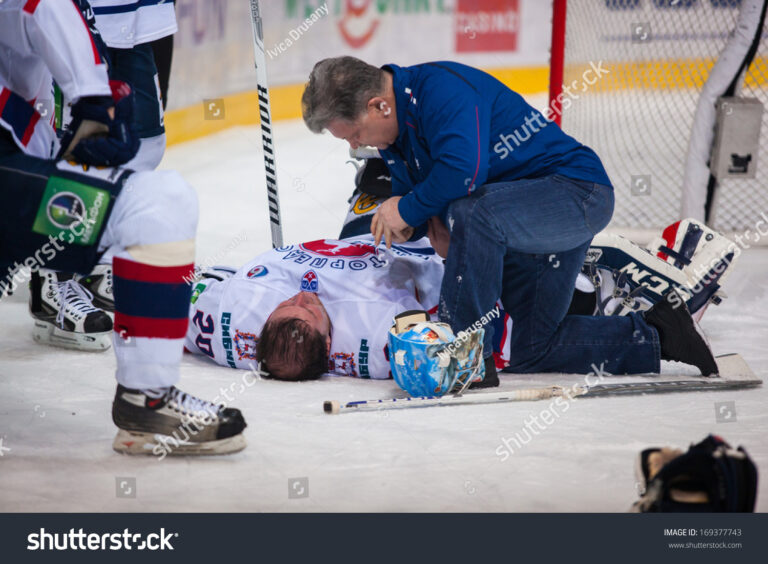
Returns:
<point x="171" y="422"/>
<point x="99" y="283"/>
<point x="64" y="313"/>
<point x="678" y="334"/>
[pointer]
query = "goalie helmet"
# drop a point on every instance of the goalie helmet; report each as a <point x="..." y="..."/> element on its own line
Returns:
<point x="427" y="359"/>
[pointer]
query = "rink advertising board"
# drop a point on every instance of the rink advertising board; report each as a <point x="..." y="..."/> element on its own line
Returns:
<point x="213" y="51"/>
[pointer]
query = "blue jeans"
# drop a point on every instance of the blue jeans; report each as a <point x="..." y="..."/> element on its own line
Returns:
<point x="526" y="241"/>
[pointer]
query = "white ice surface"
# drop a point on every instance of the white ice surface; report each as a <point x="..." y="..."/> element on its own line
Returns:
<point x="55" y="404"/>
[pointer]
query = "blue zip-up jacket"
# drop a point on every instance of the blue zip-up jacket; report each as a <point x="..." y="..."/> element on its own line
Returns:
<point x="460" y="128"/>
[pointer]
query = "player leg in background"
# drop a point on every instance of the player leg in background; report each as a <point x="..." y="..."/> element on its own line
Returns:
<point x="147" y="222"/>
<point x="526" y="241"/>
<point x="136" y="66"/>
<point x="62" y="310"/>
<point x="150" y="81"/>
<point x="162" y="49"/>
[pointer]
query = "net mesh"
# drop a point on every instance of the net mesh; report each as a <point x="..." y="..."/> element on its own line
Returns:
<point x="638" y="115"/>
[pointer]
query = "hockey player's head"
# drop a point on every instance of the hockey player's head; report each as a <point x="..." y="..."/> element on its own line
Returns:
<point x="296" y="339"/>
<point x="353" y="100"/>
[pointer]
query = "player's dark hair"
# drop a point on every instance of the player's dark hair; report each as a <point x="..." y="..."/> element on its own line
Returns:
<point x="339" y="88"/>
<point x="290" y="349"/>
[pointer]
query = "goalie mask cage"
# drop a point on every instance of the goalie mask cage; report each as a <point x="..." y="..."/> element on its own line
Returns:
<point x="651" y="117"/>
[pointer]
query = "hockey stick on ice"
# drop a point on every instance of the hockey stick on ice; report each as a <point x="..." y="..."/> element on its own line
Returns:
<point x="734" y="374"/>
<point x="266" y="125"/>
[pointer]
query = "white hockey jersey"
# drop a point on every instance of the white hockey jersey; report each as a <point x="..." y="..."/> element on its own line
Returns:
<point x="42" y="40"/>
<point x="125" y="23"/>
<point x="361" y="287"/>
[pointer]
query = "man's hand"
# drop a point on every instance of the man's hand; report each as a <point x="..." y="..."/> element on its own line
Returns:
<point x="439" y="236"/>
<point x="388" y="224"/>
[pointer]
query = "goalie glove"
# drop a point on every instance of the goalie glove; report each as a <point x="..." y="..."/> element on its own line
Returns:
<point x="710" y="477"/>
<point x="97" y="138"/>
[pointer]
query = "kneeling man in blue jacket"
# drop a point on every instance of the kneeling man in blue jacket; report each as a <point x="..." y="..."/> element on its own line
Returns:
<point x="510" y="200"/>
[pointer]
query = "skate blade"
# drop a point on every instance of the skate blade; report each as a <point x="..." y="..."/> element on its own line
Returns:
<point x="132" y="442"/>
<point x="48" y="334"/>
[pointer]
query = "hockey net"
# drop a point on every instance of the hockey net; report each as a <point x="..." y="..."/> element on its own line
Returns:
<point x="639" y="116"/>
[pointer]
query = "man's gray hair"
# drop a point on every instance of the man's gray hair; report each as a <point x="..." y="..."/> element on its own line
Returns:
<point x="339" y="89"/>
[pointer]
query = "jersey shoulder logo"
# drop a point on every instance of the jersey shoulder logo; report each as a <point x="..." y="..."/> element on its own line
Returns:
<point x="335" y="248"/>
<point x="309" y="281"/>
<point x="258" y="270"/>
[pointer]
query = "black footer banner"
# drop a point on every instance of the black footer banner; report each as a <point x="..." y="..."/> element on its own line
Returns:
<point x="395" y="538"/>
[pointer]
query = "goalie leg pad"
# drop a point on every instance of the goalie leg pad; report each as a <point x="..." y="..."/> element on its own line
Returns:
<point x="704" y="255"/>
<point x="696" y="262"/>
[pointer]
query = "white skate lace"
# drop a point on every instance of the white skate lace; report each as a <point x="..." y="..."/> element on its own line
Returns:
<point x="75" y="300"/>
<point x="193" y="406"/>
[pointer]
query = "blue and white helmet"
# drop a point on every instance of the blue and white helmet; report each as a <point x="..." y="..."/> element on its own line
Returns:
<point x="426" y="358"/>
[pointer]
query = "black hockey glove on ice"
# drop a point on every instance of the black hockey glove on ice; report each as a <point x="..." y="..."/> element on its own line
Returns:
<point x="711" y="477"/>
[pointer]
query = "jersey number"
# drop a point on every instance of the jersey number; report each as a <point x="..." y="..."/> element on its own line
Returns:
<point x="206" y="327"/>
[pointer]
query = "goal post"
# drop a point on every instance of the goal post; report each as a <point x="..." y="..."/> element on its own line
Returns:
<point x="557" y="60"/>
<point x="657" y="113"/>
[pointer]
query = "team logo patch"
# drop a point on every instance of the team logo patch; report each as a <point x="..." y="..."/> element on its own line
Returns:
<point x="198" y="289"/>
<point x="256" y="271"/>
<point x="333" y="248"/>
<point x="309" y="281"/>
<point x="245" y="345"/>
<point x="72" y="211"/>
<point x="64" y="209"/>
<point x="365" y="203"/>
<point x="342" y="364"/>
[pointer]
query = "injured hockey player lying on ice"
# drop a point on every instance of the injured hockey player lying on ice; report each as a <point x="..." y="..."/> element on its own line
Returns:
<point x="326" y="306"/>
